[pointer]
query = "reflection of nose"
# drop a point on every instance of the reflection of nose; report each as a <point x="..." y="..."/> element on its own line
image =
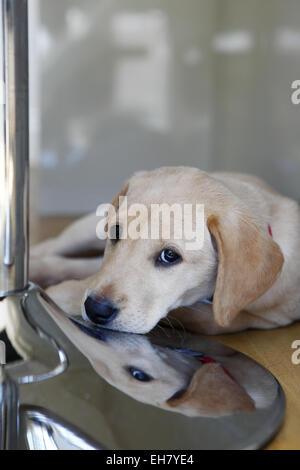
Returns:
<point x="100" y="310"/>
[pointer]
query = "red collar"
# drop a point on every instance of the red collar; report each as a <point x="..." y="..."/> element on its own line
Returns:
<point x="270" y="230"/>
<point x="207" y="359"/>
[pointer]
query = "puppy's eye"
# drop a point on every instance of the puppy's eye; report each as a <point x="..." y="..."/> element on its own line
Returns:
<point x="115" y="233"/>
<point x="139" y="375"/>
<point x="168" y="256"/>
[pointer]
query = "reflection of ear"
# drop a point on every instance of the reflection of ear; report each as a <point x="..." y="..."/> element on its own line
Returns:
<point x="212" y="393"/>
<point x="249" y="263"/>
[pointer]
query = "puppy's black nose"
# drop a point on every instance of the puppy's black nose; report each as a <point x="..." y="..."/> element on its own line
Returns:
<point x="100" y="310"/>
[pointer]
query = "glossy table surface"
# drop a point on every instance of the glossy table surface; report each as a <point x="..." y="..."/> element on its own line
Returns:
<point x="273" y="349"/>
<point x="77" y="386"/>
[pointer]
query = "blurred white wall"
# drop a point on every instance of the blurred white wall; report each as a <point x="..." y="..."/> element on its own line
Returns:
<point x="126" y="85"/>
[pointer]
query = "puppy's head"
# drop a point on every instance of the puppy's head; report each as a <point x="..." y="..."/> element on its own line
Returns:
<point x="142" y="279"/>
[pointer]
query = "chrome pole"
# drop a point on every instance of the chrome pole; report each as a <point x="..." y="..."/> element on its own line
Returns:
<point x="14" y="160"/>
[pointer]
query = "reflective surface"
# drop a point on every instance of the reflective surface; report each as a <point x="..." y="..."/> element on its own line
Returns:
<point x="42" y="431"/>
<point x="83" y="387"/>
<point x="14" y="164"/>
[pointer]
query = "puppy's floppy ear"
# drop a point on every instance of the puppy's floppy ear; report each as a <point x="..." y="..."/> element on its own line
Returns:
<point x="116" y="201"/>
<point x="212" y="392"/>
<point x="122" y="193"/>
<point x="249" y="262"/>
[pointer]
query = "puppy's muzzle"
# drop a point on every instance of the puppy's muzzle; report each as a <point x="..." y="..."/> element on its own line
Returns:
<point x="100" y="310"/>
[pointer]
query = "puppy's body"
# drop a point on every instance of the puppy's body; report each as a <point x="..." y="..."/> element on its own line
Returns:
<point x="281" y="303"/>
<point x="249" y="262"/>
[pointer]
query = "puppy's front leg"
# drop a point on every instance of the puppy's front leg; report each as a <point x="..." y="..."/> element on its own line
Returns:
<point x="68" y="295"/>
<point x="68" y="255"/>
<point x="77" y="239"/>
<point x="51" y="270"/>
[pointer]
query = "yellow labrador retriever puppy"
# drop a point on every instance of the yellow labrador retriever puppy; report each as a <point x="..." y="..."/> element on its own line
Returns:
<point x="248" y="265"/>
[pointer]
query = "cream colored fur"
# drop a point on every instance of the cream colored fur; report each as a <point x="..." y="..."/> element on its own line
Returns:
<point x="254" y="278"/>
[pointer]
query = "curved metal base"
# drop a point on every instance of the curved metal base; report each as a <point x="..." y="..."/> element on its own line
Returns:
<point x="78" y="386"/>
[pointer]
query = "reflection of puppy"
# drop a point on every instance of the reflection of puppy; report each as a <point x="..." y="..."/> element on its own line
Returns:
<point x="188" y="382"/>
<point x="249" y="262"/>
